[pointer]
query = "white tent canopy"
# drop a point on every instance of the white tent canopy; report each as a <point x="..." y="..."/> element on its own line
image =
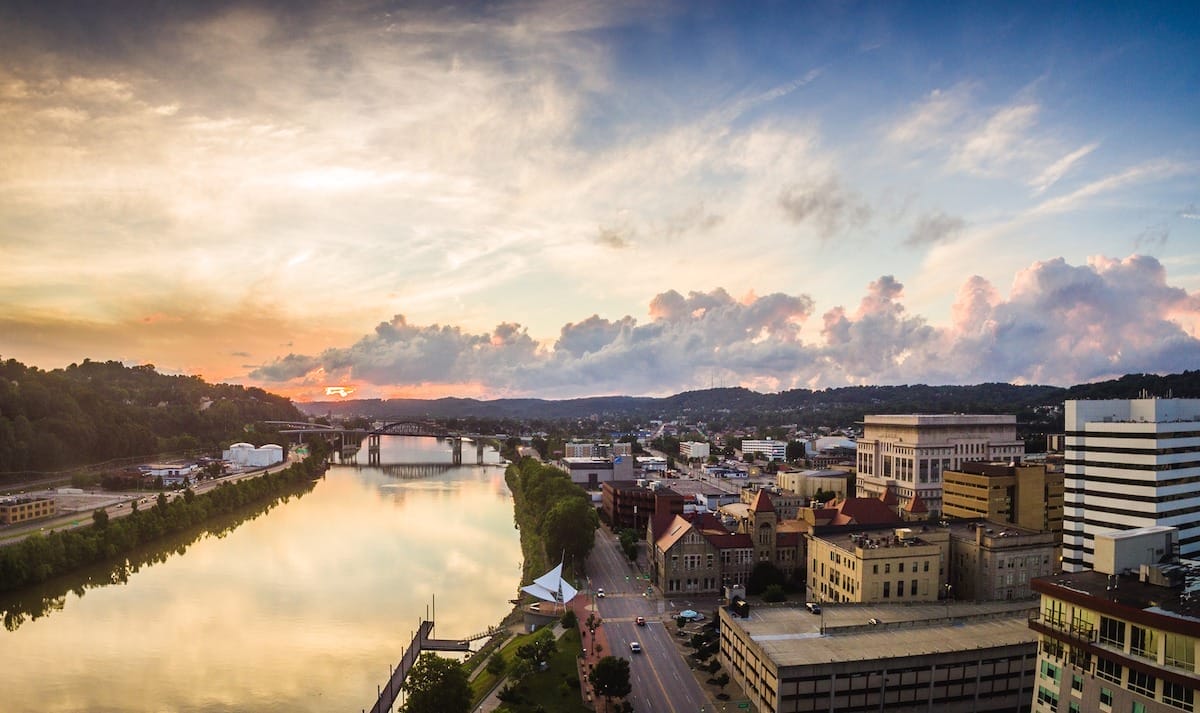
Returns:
<point x="551" y="587"/>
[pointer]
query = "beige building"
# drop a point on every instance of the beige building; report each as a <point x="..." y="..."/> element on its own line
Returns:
<point x="993" y="561"/>
<point x="1125" y="636"/>
<point x="901" y="659"/>
<point x="787" y="504"/>
<point x="879" y="565"/>
<point x="811" y="482"/>
<point x="909" y="453"/>
<point x="15" y="510"/>
<point x="1026" y="495"/>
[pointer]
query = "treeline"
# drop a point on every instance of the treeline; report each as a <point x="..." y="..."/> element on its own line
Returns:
<point x="554" y="515"/>
<point x="31" y="603"/>
<point x="99" y="411"/>
<point x="39" y="557"/>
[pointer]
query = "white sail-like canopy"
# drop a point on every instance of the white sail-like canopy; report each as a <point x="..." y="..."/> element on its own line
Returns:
<point x="551" y="587"/>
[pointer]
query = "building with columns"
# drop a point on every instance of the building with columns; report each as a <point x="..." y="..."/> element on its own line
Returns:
<point x="908" y="453"/>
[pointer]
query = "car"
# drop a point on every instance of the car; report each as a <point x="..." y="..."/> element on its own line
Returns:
<point x="813" y="607"/>
<point x="600" y="592"/>
<point x="641" y="621"/>
<point x="635" y="647"/>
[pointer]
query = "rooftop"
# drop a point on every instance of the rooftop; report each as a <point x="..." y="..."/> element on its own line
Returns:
<point x="793" y="637"/>
<point x="1181" y="601"/>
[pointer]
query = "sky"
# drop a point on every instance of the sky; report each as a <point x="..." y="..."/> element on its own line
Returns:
<point x="563" y="199"/>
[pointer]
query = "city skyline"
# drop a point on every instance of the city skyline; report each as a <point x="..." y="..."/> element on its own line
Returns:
<point x="572" y="199"/>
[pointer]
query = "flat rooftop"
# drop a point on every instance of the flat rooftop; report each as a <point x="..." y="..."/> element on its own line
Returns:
<point x="792" y="636"/>
<point x="1129" y="592"/>
<point x="940" y="419"/>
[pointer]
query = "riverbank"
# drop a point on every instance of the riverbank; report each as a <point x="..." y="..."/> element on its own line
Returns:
<point x="41" y="557"/>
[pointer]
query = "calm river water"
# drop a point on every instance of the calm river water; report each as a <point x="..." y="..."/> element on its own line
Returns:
<point x="300" y="609"/>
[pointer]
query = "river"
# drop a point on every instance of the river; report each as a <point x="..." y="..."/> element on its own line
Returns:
<point x="300" y="609"/>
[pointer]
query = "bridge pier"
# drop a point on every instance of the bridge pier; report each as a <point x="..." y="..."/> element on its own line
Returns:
<point x="373" y="449"/>
<point x="478" y="452"/>
<point x="456" y="450"/>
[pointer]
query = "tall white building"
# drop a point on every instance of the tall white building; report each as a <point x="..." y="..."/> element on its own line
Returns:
<point x="693" y="449"/>
<point x="1130" y="463"/>
<point x="907" y="453"/>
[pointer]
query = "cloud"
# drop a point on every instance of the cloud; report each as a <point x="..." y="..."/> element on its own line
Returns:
<point x="927" y="121"/>
<point x="1059" y="324"/>
<point x="831" y="208"/>
<point x="1059" y="168"/>
<point x="935" y="228"/>
<point x="1147" y="171"/>
<point x="617" y="238"/>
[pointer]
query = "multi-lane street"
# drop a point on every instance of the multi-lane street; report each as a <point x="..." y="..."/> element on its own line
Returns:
<point x="662" y="680"/>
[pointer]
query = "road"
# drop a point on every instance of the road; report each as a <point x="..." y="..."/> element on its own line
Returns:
<point x="662" y="680"/>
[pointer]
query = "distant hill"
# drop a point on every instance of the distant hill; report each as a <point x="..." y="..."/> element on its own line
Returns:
<point x="97" y="411"/>
<point x="805" y="407"/>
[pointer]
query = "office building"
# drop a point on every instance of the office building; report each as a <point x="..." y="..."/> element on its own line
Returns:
<point x="1026" y="495"/>
<point x="1122" y="637"/>
<point x="995" y="561"/>
<point x="693" y="450"/>
<point x="631" y="503"/>
<point x="772" y="449"/>
<point x="964" y="658"/>
<point x="1130" y="463"/>
<point x="909" y="453"/>
<point x="877" y="565"/>
<point x="24" y="509"/>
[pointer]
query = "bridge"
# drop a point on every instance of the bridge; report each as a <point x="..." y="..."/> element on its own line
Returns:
<point x="351" y="438"/>
<point x="422" y="641"/>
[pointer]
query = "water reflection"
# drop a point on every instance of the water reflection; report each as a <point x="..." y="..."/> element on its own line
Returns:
<point x="299" y="611"/>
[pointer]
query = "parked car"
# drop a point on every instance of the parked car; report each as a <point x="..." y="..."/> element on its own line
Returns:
<point x="813" y="607"/>
<point x="600" y="593"/>
<point x="635" y="647"/>
<point x="641" y="621"/>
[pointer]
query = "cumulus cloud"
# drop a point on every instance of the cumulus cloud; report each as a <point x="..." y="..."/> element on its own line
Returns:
<point x="1059" y="324"/>
<point x="827" y="205"/>
<point x="935" y="228"/>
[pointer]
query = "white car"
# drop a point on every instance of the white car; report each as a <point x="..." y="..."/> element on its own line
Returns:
<point x="600" y="593"/>
<point x="635" y="647"/>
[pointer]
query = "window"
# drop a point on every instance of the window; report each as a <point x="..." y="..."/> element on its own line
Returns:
<point x="1050" y="671"/>
<point x="1076" y="682"/>
<point x="1178" y="695"/>
<point x="1073" y="707"/>
<point x="1112" y="632"/>
<point x="1143" y="642"/>
<point x="887" y="590"/>
<point x="1138" y="707"/>
<point x="1048" y="698"/>
<point x="874" y="569"/>
<point x="887" y="567"/>
<point x="901" y="567"/>
<point x="1106" y="697"/>
<point x="1181" y="652"/>
<point x="914" y="587"/>
<point x="1143" y="683"/>
<point x="1108" y="670"/>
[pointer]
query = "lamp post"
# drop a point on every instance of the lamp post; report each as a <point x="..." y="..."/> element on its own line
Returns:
<point x="949" y="589"/>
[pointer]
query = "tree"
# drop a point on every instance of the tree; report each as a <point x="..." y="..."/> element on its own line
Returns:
<point x="437" y="685"/>
<point x="161" y="502"/>
<point x="722" y="681"/>
<point x="569" y="619"/>
<point x="570" y="527"/>
<point x="496" y="664"/>
<point x="100" y="518"/>
<point x="774" y="593"/>
<point x="762" y="576"/>
<point x="629" y="543"/>
<point x="795" y="450"/>
<point x="610" y="678"/>
<point x="538" y="649"/>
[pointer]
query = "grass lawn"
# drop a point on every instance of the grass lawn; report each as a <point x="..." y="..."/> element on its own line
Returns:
<point x="554" y="689"/>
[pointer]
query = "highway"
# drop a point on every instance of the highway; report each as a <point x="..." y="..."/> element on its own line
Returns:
<point x="662" y="680"/>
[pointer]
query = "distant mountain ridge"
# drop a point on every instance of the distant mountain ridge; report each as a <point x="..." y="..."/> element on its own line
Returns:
<point x="802" y="406"/>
